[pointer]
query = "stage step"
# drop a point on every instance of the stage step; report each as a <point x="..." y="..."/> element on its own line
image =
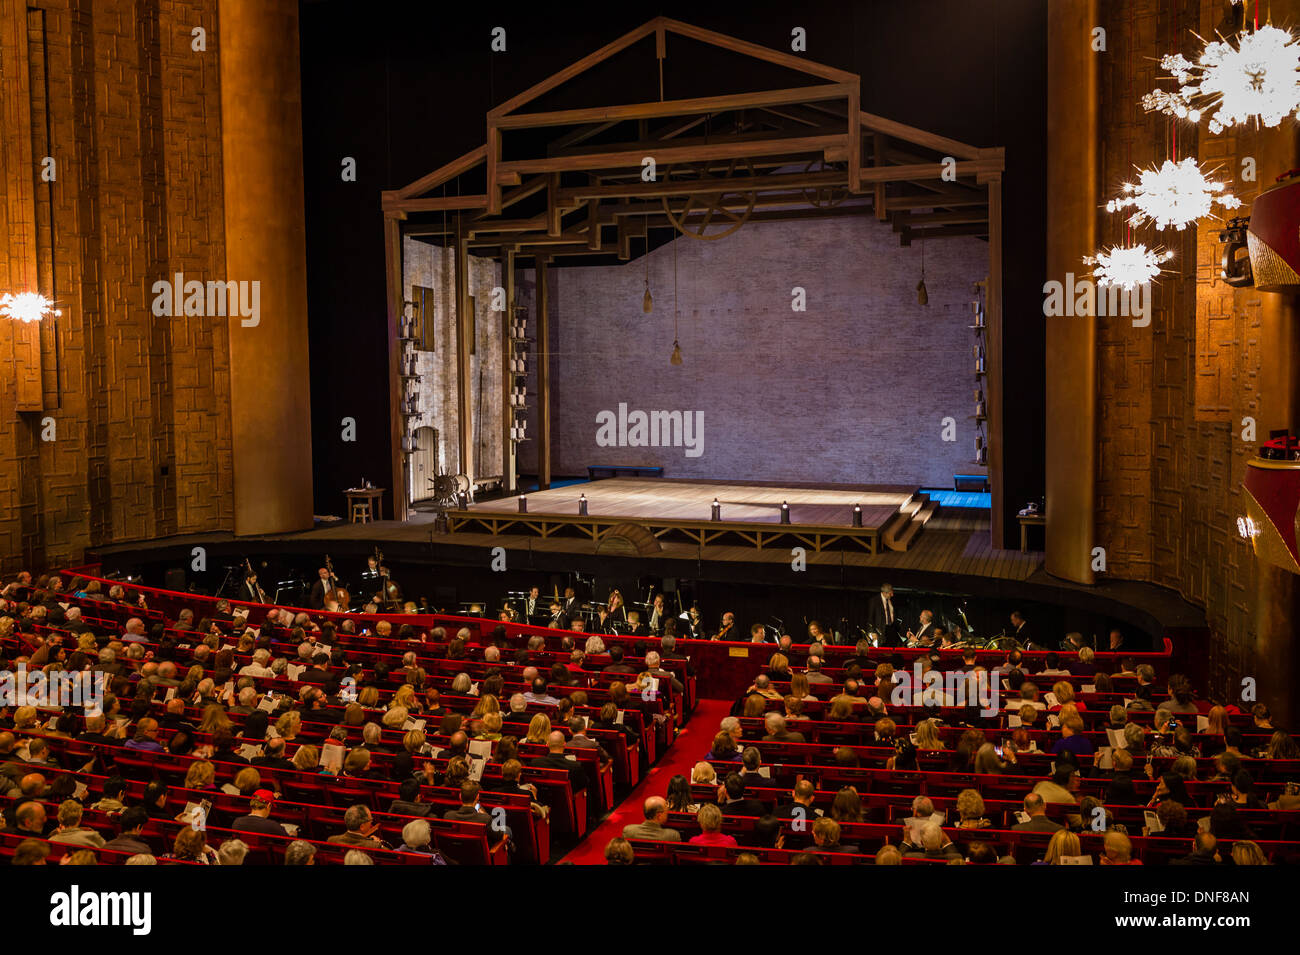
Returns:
<point x="911" y="519"/>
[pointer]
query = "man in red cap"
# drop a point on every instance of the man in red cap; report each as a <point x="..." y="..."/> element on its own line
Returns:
<point x="259" y="816"/>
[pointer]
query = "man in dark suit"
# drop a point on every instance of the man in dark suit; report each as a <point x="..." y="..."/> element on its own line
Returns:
<point x="274" y="756"/>
<point x="1038" y="821"/>
<point x="559" y="619"/>
<point x="1205" y="851"/>
<point x="1021" y="631"/>
<point x="570" y="602"/>
<point x="469" y="810"/>
<point x="882" y="617"/>
<point x="736" y="804"/>
<point x="323" y="585"/>
<point x="555" y="759"/>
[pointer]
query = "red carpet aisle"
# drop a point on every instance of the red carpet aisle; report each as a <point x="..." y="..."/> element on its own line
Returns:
<point x="689" y="748"/>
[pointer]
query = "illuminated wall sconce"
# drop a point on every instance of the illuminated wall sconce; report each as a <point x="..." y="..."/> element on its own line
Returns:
<point x="857" y="515"/>
<point x="523" y="504"/>
<point x="717" y="511"/>
<point x="582" y="505"/>
<point x="785" y="513"/>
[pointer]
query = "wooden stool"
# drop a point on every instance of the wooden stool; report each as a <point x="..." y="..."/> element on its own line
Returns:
<point x="361" y="510"/>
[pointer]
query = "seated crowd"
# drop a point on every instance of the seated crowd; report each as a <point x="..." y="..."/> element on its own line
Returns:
<point x="213" y="733"/>
<point x="1105" y="769"/>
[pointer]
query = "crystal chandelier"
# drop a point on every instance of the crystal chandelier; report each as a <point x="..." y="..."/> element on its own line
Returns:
<point x="1172" y="196"/>
<point x="27" y="306"/>
<point x="1257" y="76"/>
<point x="1127" y="266"/>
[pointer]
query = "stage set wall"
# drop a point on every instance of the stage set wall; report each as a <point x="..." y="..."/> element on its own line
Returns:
<point x="852" y="390"/>
<point x="116" y="424"/>
<point x="1173" y="398"/>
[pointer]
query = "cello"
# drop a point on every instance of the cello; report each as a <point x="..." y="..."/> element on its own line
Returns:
<point x="337" y="592"/>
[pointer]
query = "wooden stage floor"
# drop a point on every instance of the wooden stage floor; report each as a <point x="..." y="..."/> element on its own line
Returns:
<point x="655" y="499"/>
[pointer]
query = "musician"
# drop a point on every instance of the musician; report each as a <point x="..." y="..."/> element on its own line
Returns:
<point x="570" y="603"/>
<point x="324" y="584"/>
<point x="657" y="614"/>
<point x="372" y="569"/>
<point x="818" y="635"/>
<point x="1021" y="631"/>
<point x="389" y="593"/>
<point x="251" y="592"/>
<point x="533" y="604"/>
<point x="926" y="631"/>
<point x="758" y="633"/>
<point x="882" y="618"/>
<point x="634" y="626"/>
<point x="729" y="629"/>
<point x="614" y="606"/>
<point x="559" y="619"/>
<point x="694" y="623"/>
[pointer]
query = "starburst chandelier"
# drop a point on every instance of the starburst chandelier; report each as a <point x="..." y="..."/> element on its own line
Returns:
<point x="1127" y="266"/>
<point x="1176" y="194"/>
<point x="27" y="306"/>
<point x="1254" y="76"/>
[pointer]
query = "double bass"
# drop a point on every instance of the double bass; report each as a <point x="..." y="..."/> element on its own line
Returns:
<point x="337" y="592"/>
<point x="257" y="593"/>
<point x="389" y="594"/>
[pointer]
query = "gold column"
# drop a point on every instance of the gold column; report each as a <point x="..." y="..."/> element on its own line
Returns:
<point x="1277" y="592"/>
<point x="1071" y="359"/>
<point x="261" y="140"/>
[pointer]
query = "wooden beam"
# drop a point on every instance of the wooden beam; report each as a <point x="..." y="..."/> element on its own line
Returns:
<point x="919" y="137"/>
<point x="575" y="136"/>
<point x="649" y="190"/>
<point x="593" y="225"/>
<point x="542" y="261"/>
<point x="629" y="228"/>
<point x="723" y="150"/>
<point x="390" y="203"/>
<point x="573" y="69"/>
<point x="478" y="227"/>
<point x="922" y="171"/>
<point x="448" y="171"/>
<point x="903" y="203"/>
<point x="553" y="211"/>
<point x="678" y="107"/>
<point x="395" y="289"/>
<point x="493" y="159"/>
<point x="879" y="143"/>
<point x="788" y="60"/>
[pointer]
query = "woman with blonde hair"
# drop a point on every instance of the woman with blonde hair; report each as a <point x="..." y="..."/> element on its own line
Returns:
<point x="489" y="727"/>
<point x="1063" y="843"/>
<point x="306" y="759"/>
<point x="927" y="735"/>
<point x="404" y="697"/>
<point x="248" y="781"/>
<point x="594" y="645"/>
<point x="369" y="697"/>
<point x="415" y="742"/>
<point x="755" y="705"/>
<point x="1063" y="690"/>
<point x="1246" y="852"/>
<point x="704" y="773"/>
<point x="215" y="719"/>
<point x="778" y="667"/>
<point x="200" y="775"/>
<point x="539" y="727"/>
<point x="970" y="810"/>
<point x="486" y="704"/>
<point x="395" y="718"/>
<point x="289" y="725"/>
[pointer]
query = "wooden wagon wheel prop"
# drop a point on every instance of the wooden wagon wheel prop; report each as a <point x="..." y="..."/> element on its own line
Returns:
<point x="824" y="197"/>
<point x="714" y="210"/>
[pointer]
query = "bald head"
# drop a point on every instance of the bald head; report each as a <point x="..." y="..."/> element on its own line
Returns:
<point x="555" y="742"/>
<point x="654" y="806"/>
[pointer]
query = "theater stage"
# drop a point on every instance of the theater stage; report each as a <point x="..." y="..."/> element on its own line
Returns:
<point x="641" y="514"/>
